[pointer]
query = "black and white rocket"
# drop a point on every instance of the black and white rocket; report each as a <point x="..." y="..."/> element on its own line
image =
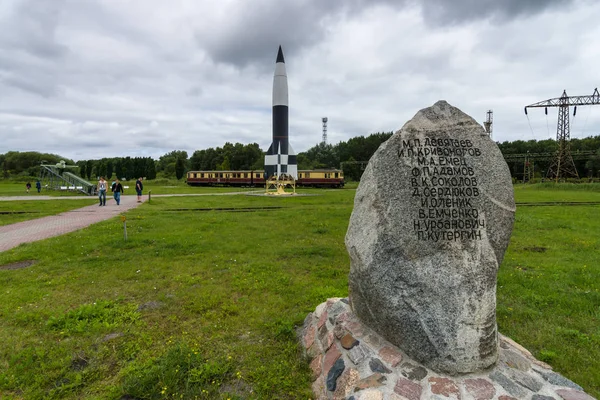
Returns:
<point x="280" y="158"/>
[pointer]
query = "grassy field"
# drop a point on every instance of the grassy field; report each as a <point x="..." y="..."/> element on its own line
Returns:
<point x="203" y="304"/>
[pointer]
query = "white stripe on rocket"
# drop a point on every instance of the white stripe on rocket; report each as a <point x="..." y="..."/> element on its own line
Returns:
<point x="280" y="85"/>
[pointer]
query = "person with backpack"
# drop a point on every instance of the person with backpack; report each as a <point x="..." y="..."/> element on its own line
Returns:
<point x="102" y="191"/>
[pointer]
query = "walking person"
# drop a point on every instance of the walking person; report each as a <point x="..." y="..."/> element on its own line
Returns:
<point x="38" y="186"/>
<point x="28" y="186"/>
<point x="102" y="191"/>
<point x="138" y="188"/>
<point x="117" y="189"/>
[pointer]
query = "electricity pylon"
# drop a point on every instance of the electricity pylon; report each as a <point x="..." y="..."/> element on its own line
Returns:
<point x="563" y="165"/>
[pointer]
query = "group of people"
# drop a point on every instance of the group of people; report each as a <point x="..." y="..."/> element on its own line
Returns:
<point x="38" y="186"/>
<point x="117" y="189"/>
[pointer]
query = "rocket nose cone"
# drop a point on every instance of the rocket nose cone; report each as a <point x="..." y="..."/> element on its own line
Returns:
<point x="280" y="56"/>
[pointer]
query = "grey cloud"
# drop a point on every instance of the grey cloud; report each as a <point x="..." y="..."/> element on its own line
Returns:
<point x="40" y="87"/>
<point x="32" y="28"/>
<point x="253" y="30"/>
<point x="446" y="12"/>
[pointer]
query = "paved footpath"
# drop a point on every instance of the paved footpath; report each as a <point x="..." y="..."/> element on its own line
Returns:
<point x="55" y="225"/>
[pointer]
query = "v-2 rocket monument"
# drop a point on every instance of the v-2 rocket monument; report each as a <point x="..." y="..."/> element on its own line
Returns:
<point x="280" y="158"/>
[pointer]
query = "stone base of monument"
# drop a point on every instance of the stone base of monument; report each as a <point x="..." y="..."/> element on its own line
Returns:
<point x="350" y="361"/>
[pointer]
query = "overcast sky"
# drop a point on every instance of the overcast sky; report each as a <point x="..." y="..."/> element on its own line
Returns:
<point x="88" y="79"/>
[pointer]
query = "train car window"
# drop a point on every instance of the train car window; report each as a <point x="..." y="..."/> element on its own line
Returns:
<point x="336" y="174"/>
<point x="307" y="175"/>
<point x="201" y="175"/>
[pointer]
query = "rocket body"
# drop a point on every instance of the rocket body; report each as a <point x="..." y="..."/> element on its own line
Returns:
<point x="280" y="158"/>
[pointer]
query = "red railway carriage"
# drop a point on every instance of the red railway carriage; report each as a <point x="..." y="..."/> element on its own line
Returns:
<point x="320" y="178"/>
<point x="314" y="178"/>
<point x="225" y="178"/>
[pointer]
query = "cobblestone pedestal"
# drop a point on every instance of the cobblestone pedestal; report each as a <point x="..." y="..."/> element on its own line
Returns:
<point x="351" y="362"/>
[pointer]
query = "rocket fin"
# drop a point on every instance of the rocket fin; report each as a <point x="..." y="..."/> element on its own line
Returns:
<point x="290" y="150"/>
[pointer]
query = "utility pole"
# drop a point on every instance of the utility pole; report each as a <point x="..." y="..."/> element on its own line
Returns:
<point x="324" y="121"/>
<point x="563" y="165"/>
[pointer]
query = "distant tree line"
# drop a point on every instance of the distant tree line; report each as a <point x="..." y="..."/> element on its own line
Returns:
<point x="27" y="163"/>
<point x="351" y="156"/>
<point x="588" y="166"/>
<point x="119" y="167"/>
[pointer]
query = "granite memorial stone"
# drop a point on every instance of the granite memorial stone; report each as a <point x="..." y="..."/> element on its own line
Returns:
<point x="432" y="218"/>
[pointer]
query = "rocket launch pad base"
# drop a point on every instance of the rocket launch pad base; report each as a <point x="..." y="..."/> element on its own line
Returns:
<point x="276" y="185"/>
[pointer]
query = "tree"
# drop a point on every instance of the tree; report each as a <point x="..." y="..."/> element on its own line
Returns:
<point x="109" y="169"/>
<point x="166" y="163"/>
<point x="89" y="165"/>
<point x="119" y="168"/>
<point x="179" y="168"/>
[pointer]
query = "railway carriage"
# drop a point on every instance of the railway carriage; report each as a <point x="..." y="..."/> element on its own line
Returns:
<point x="307" y="178"/>
<point x="320" y="178"/>
<point x="225" y="178"/>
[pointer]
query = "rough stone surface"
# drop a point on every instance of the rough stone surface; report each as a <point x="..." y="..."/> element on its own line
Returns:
<point x="526" y="380"/>
<point x="370" y="381"/>
<point x="377" y="366"/>
<point x="480" y="389"/>
<point x="366" y="375"/>
<point x="556" y="379"/>
<point x="570" y="394"/>
<point x="345" y="384"/>
<point x="334" y="373"/>
<point x="432" y="217"/>
<point x="408" y="389"/>
<point x="331" y="357"/>
<point x="371" y="395"/>
<point x="514" y="360"/>
<point x="348" y="341"/>
<point x="509" y="385"/>
<point x="357" y="354"/>
<point x="309" y="338"/>
<point x="390" y="355"/>
<point x="318" y="388"/>
<point x="316" y="366"/>
<point x="445" y="387"/>
<point x="413" y="372"/>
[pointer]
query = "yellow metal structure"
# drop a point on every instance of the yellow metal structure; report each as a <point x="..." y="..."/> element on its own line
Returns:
<point x="276" y="185"/>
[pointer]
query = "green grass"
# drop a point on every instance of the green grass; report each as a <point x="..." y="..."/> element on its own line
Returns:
<point x="203" y="304"/>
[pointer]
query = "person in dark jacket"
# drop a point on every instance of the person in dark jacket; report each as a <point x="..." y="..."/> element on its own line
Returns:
<point x="38" y="186"/>
<point x="138" y="189"/>
<point x="117" y="189"/>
